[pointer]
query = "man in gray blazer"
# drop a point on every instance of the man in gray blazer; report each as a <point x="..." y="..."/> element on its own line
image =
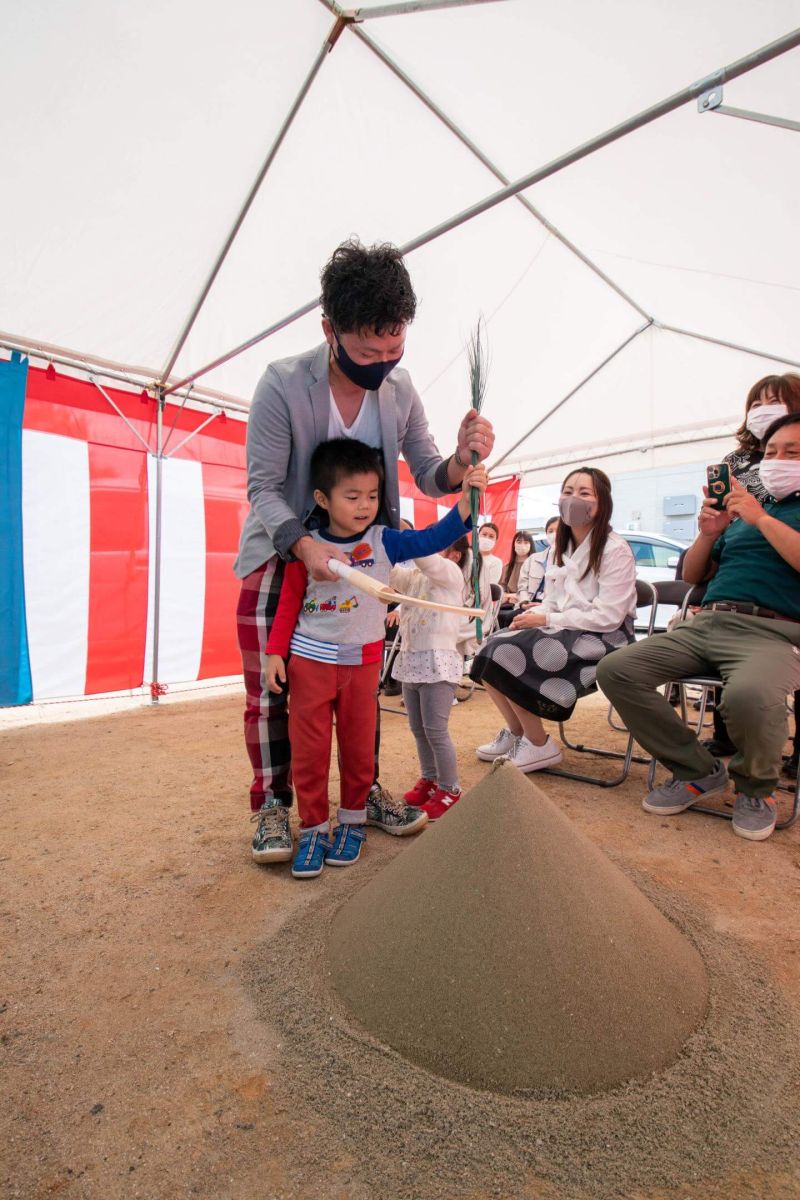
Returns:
<point x="347" y="387"/>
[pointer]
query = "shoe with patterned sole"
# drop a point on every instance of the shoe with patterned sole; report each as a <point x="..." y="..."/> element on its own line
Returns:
<point x="272" y="840"/>
<point x="393" y="816"/>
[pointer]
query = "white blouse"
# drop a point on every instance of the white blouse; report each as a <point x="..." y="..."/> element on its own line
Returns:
<point x="601" y="601"/>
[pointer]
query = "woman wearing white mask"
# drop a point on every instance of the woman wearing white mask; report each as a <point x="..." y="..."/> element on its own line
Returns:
<point x="770" y="398"/>
<point x="547" y="659"/>
<point x="531" y="577"/>
<point x="487" y="541"/>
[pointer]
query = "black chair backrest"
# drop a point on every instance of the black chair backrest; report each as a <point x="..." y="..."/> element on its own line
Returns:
<point x="496" y="590"/>
<point x="645" y="593"/>
<point x="672" y="591"/>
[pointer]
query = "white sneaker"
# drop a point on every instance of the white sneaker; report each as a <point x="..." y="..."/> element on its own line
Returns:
<point x="502" y="744"/>
<point x="527" y="757"/>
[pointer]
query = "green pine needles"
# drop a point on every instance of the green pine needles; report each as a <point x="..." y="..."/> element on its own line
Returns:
<point x="478" y="370"/>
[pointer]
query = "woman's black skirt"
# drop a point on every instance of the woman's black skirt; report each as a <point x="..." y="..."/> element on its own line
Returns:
<point x="546" y="673"/>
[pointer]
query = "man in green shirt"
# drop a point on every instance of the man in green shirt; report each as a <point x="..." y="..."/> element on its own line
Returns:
<point x="747" y="632"/>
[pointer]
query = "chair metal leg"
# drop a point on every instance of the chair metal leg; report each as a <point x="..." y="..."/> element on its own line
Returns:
<point x="626" y="755"/>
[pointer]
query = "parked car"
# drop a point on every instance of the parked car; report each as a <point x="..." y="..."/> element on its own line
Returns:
<point x="656" y="558"/>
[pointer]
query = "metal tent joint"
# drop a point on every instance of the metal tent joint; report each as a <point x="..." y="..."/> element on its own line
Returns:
<point x="711" y="101"/>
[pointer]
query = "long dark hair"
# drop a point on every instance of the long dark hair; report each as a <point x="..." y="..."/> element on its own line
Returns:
<point x="519" y="536"/>
<point x="601" y="523"/>
<point x="787" y="391"/>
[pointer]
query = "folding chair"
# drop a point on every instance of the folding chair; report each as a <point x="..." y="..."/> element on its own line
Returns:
<point x="708" y="684"/>
<point x="668" y="591"/>
<point x="646" y="597"/>
<point x="489" y="626"/>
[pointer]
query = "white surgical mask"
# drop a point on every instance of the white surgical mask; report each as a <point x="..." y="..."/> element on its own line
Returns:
<point x="760" y="419"/>
<point x="485" y="545"/>
<point x="551" y="537"/>
<point x="780" y="476"/>
<point x="522" y="549"/>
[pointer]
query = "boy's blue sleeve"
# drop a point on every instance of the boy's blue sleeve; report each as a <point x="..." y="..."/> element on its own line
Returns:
<point x="402" y="544"/>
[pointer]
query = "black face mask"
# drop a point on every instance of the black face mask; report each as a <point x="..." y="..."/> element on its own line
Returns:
<point x="369" y="377"/>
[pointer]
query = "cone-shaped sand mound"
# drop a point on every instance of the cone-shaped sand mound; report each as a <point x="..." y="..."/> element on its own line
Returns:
<point x="504" y="950"/>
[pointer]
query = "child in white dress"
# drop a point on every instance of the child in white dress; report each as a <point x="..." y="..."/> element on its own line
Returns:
<point x="429" y="666"/>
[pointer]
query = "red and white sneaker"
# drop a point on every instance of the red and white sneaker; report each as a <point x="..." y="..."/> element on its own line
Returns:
<point x="440" y="802"/>
<point x="422" y="790"/>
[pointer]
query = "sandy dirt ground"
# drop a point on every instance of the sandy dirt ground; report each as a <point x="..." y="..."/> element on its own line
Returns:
<point x="136" y="1061"/>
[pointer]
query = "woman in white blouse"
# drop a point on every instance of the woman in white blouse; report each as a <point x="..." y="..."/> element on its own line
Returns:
<point x="548" y="657"/>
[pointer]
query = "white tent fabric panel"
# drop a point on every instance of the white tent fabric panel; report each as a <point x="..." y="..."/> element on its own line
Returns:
<point x="56" y="547"/>
<point x="662" y="389"/>
<point x="183" y="570"/>
<point x="364" y="158"/>
<point x="131" y="134"/>
<point x="530" y="80"/>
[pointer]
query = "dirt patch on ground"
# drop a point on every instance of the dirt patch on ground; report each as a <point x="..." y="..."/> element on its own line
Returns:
<point x="162" y="1006"/>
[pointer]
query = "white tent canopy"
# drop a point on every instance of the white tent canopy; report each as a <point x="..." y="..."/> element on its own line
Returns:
<point x="132" y="135"/>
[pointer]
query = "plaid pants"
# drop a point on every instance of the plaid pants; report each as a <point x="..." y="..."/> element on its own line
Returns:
<point x="266" y="716"/>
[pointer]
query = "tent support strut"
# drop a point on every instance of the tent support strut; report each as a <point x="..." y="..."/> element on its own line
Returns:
<point x="551" y="411"/>
<point x="733" y="71"/>
<point x="333" y="36"/>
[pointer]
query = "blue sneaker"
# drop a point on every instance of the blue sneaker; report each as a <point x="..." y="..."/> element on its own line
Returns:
<point x="310" y="857"/>
<point x="347" y="843"/>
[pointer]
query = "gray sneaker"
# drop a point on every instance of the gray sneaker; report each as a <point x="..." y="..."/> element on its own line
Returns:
<point x="393" y="816"/>
<point x="754" y="817"/>
<point x="272" y="840"/>
<point x="679" y="794"/>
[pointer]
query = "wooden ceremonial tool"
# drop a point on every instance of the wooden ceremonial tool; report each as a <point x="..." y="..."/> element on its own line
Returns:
<point x="388" y="595"/>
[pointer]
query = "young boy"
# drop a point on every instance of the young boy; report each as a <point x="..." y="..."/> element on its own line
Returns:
<point x="335" y="634"/>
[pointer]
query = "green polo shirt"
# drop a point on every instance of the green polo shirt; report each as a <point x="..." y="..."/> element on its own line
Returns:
<point x="751" y="570"/>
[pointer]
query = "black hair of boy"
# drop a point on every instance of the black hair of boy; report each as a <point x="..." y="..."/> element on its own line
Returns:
<point x="341" y="458"/>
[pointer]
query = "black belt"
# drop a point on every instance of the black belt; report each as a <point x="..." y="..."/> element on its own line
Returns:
<point x="749" y="610"/>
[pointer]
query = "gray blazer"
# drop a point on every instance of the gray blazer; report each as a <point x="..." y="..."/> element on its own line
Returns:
<point x="288" y="419"/>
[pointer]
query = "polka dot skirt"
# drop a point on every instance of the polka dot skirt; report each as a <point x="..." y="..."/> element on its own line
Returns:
<point x="546" y="671"/>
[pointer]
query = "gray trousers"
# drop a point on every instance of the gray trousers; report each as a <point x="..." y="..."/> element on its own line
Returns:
<point x="758" y="661"/>
<point x="428" y="706"/>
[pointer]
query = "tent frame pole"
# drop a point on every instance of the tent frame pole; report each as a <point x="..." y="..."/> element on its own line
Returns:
<point x="88" y="365"/>
<point x="714" y="341"/>
<point x="484" y="159"/>
<point x="551" y="411"/>
<point x="119" y="412"/>
<point x="155" y="686"/>
<point x="406" y="8"/>
<point x="734" y="70"/>
<point x="191" y="434"/>
<point x="712" y="102"/>
<point x="330" y="41"/>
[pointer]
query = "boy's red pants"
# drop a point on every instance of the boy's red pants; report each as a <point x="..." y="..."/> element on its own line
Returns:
<point x="317" y="693"/>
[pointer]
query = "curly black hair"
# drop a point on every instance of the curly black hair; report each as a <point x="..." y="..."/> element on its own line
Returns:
<point x="367" y="287"/>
